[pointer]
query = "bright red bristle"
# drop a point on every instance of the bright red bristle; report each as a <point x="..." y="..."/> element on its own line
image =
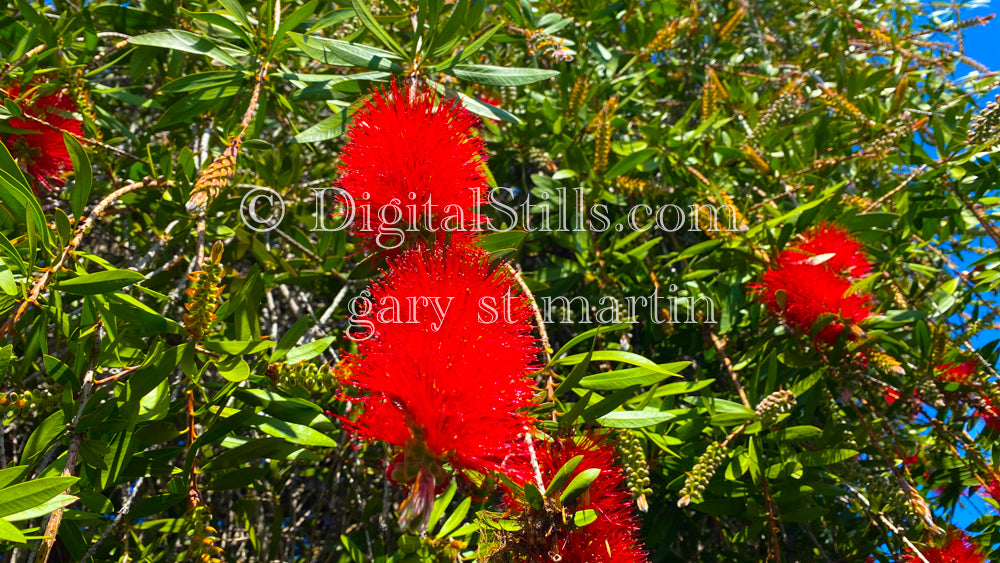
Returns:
<point x="449" y="368"/>
<point x="413" y="162"/>
<point x="799" y="292"/>
<point x="833" y="248"/>
<point x="614" y="536"/>
<point x="40" y="148"/>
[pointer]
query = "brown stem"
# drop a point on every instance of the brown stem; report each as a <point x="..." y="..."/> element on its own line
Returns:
<point x="720" y="349"/>
<point x="7" y="67"/>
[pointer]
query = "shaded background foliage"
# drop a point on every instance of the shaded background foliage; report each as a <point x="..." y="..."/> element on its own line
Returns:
<point x="791" y="112"/>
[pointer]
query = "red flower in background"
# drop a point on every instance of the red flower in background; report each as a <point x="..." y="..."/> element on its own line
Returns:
<point x="957" y="548"/>
<point x="989" y="413"/>
<point x="444" y="376"/>
<point x="614" y="536"/>
<point x="957" y="373"/>
<point x="40" y="148"/>
<point x="413" y="162"/>
<point x="992" y="489"/>
<point x="813" y="278"/>
<point x="833" y="248"/>
<point x="800" y="292"/>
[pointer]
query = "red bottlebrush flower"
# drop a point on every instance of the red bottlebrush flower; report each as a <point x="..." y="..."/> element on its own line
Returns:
<point x="992" y="489"/>
<point x="612" y="538"/>
<point x="957" y="373"/>
<point x="39" y="148"/>
<point x="891" y="396"/>
<point x="989" y="413"/>
<point x="443" y="374"/>
<point x="413" y="165"/>
<point x="800" y="292"/>
<point x="957" y="548"/>
<point x="832" y="247"/>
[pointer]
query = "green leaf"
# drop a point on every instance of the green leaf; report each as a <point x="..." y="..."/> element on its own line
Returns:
<point x="309" y="351"/>
<point x="10" y="533"/>
<point x="83" y="175"/>
<point x="43" y="436"/>
<point x="442" y="502"/>
<point x="479" y="107"/>
<point x="234" y="369"/>
<point x="629" y="162"/>
<point x="291" y="22"/>
<point x="294" y="433"/>
<point x="11" y="474"/>
<point x="6" y="354"/>
<point x="341" y="53"/>
<point x="575" y="376"/>
<point x="237" y="347"/>
<point x="797" y="433"/>
<point x="371" y="25"/>
<point x="496" y="242"/>
<point x="634" y="419"/>
<point x="7" y="282"/>
<point x="188" y="42"/>
<point x="561" y="476"/>
<point x="290" y="338"/>
<point x="825" y="457"/>
<point x="100" y="282"/>
<point x="330" y="128"/>
<point x="455" y="519"/>
<point x="220" y="21"/>
<point x="473" y="47"/>
<point x="533" y="496"/>
<point x="579" y="485"/>
<point x="499" y="76"/>
<point x="583" y="517"/>
<point x="203" y="80"/>
<point x="58" y="501"/>
<point x="682" y="387"/>
<point x="34" y="493"/>
<point x="236" y="9"/>
<point x="587" y="335"/>
<point x="623" y="378"/>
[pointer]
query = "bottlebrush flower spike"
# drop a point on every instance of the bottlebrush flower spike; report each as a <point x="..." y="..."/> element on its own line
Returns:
<point x="444" y="373"/>
<point x="957" y="548"/>
<point x="413" y="162"/>
<point x="612" y="538"/>
<point x="800" y="292"/>
<point x="832" y="247"/>
<point x="40" y="148"/>
<point x="957" y="373"/>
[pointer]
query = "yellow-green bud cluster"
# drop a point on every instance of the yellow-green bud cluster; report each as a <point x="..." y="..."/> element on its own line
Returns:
<point x="633" y="461"/>
<point x="24" y="403"/>
<point x="773" y="406"/>
<point x="203" y="537"/>
<point x="701" y="474"/>
<point x="203" y="293"/>
<point x="305" y="375"/>
<point x="929" y="392"/>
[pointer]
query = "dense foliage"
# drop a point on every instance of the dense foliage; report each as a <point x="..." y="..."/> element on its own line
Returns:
<point x="793" y="369"/>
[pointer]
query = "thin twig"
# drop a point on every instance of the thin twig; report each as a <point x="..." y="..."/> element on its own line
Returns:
<point x="719" y="348"/>
<point x="81" y="230"/>
<point x="122" y="513"/>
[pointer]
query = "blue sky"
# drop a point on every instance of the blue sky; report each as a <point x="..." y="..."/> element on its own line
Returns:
<point x="980" y="45"/>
